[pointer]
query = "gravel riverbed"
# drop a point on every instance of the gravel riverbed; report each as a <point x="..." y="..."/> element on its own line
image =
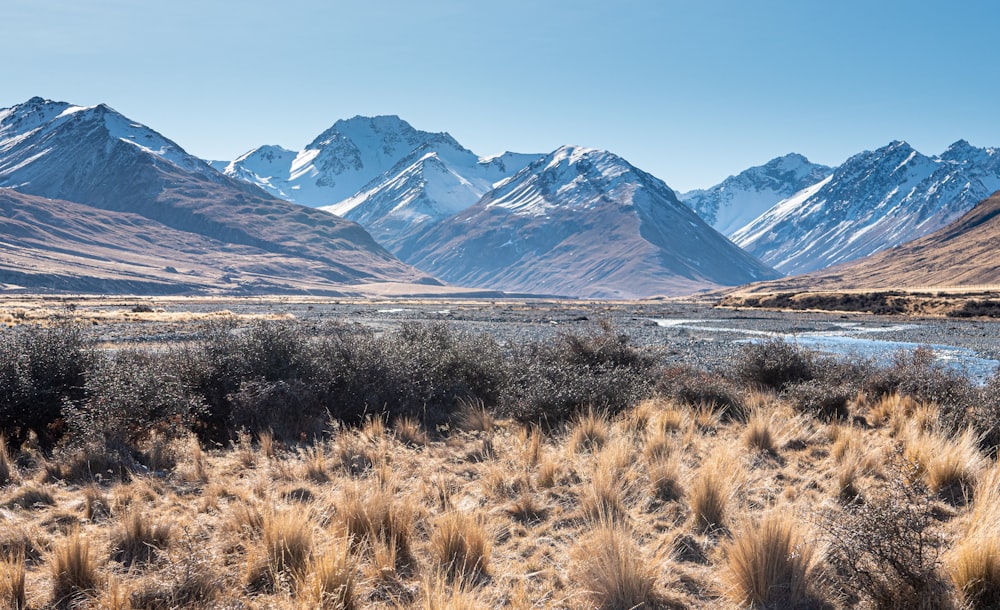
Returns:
<point x="689" y="333"/>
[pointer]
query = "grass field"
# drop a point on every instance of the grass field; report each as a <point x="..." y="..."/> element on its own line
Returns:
<point x="787" y="481"/>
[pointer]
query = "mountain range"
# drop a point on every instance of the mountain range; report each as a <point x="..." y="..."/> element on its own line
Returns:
<point x="97" y="202"/>
<point x="582" y="222"/>
<point x="873" y="201"/>
<point x="962" y="254"/>
<point x="95" y="157"/>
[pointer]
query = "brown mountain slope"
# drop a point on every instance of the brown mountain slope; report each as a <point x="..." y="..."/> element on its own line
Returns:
<point x="965" y="253"/>
<point x="66" y="246"/>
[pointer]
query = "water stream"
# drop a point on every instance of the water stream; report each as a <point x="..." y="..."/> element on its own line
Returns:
<point x="855" y="340"/>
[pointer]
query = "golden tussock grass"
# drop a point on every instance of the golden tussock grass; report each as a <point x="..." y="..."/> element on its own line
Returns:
<point x="589" y="431"/>
<point x="137" y="540"/>
<point x="769" y="563"/>
<point x="610" y="569"/>
<point x="760" y="434"/>
<point x="709" y="493"/>
<point x="73" y="569"/>
<point x="13" y="595"/>
<point x="667" y="504"/>
<point x="461" y="545"/>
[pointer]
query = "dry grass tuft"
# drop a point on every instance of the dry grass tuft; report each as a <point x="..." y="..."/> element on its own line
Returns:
<point x="13" y="595"/>
<point x="137" y="541"/>
<point x="331" y="582"/>
<point x="760" y="434"/>
<point x="32" y="497"/>
<point x="665" y="478"/>
<point x="709" y="493"/>
<point x="949" y="465"/>
<point x="461" y="545"/>
<point x="288" y="540"/>
<point x="770" y="564"/>
<point x="473" y="416"/>
<point x="531" y="445"/>
<point x="74" y="570"/>
<point x="314" y="458"/>
<point x="440" y="593"/>
<point x="374" y="515"/>
<point x="612" y="571"/>
<point x="589" y="431"/>
<point x="974" y="568"/>
<point x="409" y="431"/>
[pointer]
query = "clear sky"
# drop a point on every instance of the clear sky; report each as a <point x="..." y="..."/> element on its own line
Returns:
<point x="689" y="90"/>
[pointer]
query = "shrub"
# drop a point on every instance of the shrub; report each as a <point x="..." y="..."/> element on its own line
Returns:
<point x="40" y="369"/>
<point x="885" y="547"/>
<point x="774" y="364"/>
<point x="289" y="409"/>
<point x="693" y="387"/>
<point x="770" y="564"/>
<point x="819" y="400"/>
<point x="919" y="375"/>
<point x="554" y="380"/>
<point x="418" y="371"/>
<point x="126" y="395"/>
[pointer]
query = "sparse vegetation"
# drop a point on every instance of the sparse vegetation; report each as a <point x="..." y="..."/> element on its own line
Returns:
<point x="275" y="465"/>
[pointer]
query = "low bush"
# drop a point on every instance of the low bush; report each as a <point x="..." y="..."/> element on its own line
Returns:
<point x="774" y="364"/>
<point x="884" y="548"/>
<point x="126" y="395"/>
<point x="819" y="400"/>
<point x="553" y="381"/>
<point x="695" y="387"/>
<point x="40" y="369"/>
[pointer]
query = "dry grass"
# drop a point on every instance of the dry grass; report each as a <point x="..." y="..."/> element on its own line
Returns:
<point x="73" y="569"/>
<point x="607" y="515"/>
<point x="589" y="431"/>
<point x="760" y="434"/>
<point x="609" y="567"/>
<point x="461" y="545"/>
<point x="949" y="465"/>
<point x="709" y="495"/>
<point x="770" y="563"/>
<point x="473" y="416"/>
<point x="137" y="541"/>
<point x="371" y="514"/>
<point x="331" y="582"/>
<point x="287" y="537"/>
<point x="13" y="595"/>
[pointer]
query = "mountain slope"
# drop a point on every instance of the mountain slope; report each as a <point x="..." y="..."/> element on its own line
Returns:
<point x="581" y="222"/>
<point x="962" y="254"/>
<point x="739" y="200"/>
<point x="97" y="157"/>
<point x="875" y="200"/>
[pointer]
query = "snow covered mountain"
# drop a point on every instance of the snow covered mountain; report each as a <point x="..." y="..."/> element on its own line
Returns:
<point x="739" y="200"/>
<point x="363" y="158"/>
<point x="581" y="222"/>
<point x="875" y="200"/>
<point x="436" y="180"/>
<point x="96" y="157"/>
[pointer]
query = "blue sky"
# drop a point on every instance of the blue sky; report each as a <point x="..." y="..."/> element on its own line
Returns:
<point x="689" y="90"/>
